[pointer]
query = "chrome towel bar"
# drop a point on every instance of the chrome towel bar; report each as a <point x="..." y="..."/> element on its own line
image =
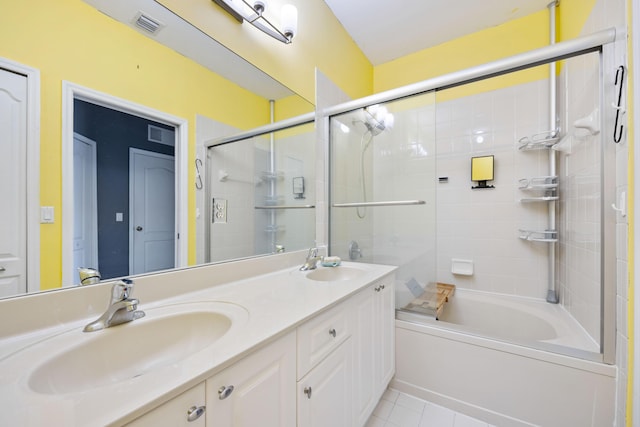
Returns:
<point x="373" y="204"/>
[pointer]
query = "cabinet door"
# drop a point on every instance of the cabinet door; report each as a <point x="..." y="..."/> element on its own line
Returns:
<point x="365" y="345"/>
<point x="176" y="412"/>
<point x="259" y="390"/>
<point x="385" y="310"/>
<point x="324" y="395"/>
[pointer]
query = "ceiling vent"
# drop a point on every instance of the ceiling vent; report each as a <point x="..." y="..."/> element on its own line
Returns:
<point x="147" y="23"/>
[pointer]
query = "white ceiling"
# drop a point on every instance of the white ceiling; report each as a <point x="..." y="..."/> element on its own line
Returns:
<point x="388" y="29"/>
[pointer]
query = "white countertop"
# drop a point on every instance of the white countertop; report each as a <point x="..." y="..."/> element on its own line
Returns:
<point x="276" y="302"/>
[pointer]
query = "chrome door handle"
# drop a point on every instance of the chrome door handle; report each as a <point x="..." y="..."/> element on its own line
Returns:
<point x="195" y="412"/>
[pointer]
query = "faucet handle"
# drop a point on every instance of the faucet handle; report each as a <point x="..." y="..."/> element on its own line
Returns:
<point x="313" y="252"/>
<point x="121" y="290"/>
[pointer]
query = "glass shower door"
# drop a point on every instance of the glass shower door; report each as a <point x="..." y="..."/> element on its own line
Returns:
<point x="383" y="181"/>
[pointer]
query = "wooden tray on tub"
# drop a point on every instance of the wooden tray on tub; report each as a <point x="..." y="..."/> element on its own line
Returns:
<point x="432" y="300"/>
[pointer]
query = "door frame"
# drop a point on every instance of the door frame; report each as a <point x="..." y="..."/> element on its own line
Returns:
<point x="33" y="169"/>
<point x="132" y="152"/>
<point x="71" y="91"/>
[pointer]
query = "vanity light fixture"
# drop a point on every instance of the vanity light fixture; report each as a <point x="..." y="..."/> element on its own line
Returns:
<point x="243" y="10"/>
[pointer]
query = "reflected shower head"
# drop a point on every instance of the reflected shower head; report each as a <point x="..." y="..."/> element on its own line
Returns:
<point x="377" y="119"/>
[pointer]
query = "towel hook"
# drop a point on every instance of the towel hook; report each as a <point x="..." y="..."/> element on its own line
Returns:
<point x="198" y="176"/>
<point x="617" y="134"/>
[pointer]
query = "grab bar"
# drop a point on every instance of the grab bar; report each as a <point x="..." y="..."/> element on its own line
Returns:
<point x="373" y="204"/>
<point x="286" y="207"/>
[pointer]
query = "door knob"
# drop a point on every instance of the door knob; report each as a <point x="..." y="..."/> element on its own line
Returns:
<point x="138" y="228"/>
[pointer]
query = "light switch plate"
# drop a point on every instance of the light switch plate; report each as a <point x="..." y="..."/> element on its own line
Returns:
<point x="47" y="215"/>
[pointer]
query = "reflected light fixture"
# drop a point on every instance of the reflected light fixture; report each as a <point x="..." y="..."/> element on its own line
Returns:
<point x="252" y="12"/>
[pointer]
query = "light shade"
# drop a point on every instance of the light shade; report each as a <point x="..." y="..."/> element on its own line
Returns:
<point x="242" y="11"/>
<point x="289" y="20"/>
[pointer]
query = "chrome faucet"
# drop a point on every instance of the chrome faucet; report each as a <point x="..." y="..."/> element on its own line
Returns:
<point x="122" y="309"/>
<point x="312" y="260"/>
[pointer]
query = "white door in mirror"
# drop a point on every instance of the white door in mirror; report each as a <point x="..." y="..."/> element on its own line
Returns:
<point x="13" y="193"/>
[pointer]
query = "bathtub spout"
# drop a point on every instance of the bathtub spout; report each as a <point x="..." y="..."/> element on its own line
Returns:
<point x="552" y="296"/>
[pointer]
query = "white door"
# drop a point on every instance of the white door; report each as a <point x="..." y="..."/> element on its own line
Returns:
<point x="13" y="196"/>
<point x="152" y="211"/>
<point x="85" y="205"/>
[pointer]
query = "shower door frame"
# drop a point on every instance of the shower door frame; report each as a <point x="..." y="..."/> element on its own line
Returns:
<point x="601" y="43"/>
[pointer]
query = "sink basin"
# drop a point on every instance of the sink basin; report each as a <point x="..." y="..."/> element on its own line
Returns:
<point x="166" y="335"/>
<point x="330" y="274"/>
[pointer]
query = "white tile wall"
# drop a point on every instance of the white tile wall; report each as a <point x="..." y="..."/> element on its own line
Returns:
<point x="482" y="225"/>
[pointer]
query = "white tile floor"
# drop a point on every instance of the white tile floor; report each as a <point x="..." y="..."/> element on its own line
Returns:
<point x="397" y="409"/>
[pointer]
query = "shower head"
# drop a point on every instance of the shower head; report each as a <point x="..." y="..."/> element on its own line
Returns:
<point x="377" y="119"/>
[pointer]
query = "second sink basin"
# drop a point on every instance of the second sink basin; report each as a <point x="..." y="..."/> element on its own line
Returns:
<point x="330" y="274"/>
<point x="167" y="335"/>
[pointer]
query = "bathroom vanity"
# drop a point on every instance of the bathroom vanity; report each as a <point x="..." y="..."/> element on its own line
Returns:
<point x="253" y="342"/>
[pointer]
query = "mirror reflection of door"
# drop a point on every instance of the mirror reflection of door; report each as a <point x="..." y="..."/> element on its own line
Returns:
<point x="116" y="134"/>
<point x="151" y="202"/>
<point x="13" y="141"/>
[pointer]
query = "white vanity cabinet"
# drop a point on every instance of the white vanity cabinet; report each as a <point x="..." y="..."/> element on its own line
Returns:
<point x="185" y="410"/>
<point x="330" y="371"/>
<point x="259" y="390"/>
<point x="374" y="358"/>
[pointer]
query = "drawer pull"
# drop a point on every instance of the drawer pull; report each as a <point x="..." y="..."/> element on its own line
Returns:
<point x="307" y="391"/>
<point x="332" y="332"/>
<point x="194" y="413"/>
<point x="377" y="289"/>
<point x="225" y="391"/>
<point x="2" y="269"/>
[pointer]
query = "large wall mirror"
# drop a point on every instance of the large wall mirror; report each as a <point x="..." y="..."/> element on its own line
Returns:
<point x="120" y="157"/>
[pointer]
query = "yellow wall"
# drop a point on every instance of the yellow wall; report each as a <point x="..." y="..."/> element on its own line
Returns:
<point x="69" y="40"/>
<point x="513" y="37"/>
<point x="631" y="214"/>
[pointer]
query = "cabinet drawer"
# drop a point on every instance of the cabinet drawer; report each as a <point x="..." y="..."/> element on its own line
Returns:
<point x="176" y="411"/>
<point x="321" y="335"/>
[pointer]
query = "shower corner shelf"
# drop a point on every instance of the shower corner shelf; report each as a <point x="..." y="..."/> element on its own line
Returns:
<point x="271" y="176"/>
<point x="548" y="236"/>
<point x="539" y="140"/>
<point x="539" y="199"/>
<point x="538" y="183"/>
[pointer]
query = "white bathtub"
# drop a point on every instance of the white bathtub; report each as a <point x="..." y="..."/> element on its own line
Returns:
<point x="488" y="356"/>
<point x="524" y="321"/>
